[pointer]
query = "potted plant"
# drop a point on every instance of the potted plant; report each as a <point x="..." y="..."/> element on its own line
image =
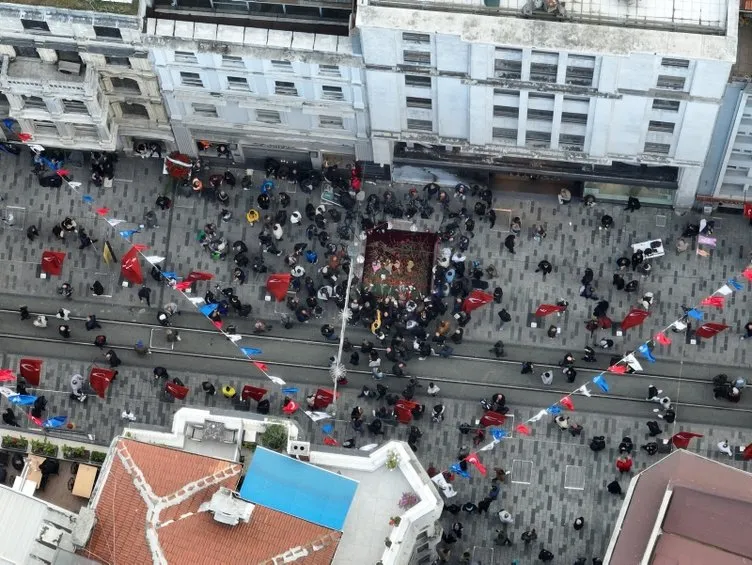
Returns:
<point x="387" y="542"/>
<point x="80" y="453"/>
<point x="408" y="500"/>
<point x="43" y="448"/>
<point x="98" y="457"/>
<point x="392" y="460"/>
<point x="395" y="521"/>
<point x="17" y="443"/>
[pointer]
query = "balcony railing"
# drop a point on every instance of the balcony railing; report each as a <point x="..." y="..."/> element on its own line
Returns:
<point x="30" y="77"/>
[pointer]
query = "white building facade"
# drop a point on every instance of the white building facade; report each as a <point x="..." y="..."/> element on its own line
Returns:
<point x="79" y="79"/>
<point x="291" y="95"/>
<point x="624" y="107"/>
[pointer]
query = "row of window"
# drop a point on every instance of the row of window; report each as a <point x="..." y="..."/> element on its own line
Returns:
<point x="235" y="62"/>
<point x="102" y="32"/>
<point x="267" y="116"/>
<point x="281" y="87"/>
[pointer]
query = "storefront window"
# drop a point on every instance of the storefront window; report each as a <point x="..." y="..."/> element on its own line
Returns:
<point x="620" y="193"/>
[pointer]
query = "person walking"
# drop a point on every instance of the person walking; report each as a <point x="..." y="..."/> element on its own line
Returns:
<point x="724" y="447"/>
<point x="328" y="332"/>
<point x="504" y="317"/>
<point x="40" y="322"/>
<point x="545" y="555"/>
<point x="547" y="378"/>
<point x="64" y="330"/>
<point x="96" y="288"/>
<point x="509" y="243"/>
<point x="579" y="523"/>
<point x="208" y="388"/>
<point x="544" y="267"/>
<point x="144" y="293"/>
<point x="506" y="517"/>
<point x="527" y="368"/>
<point x="529" y="536"/>
<point x="747" y="331"/>
<point x="100" y="341"/>
<point x="624" y="463"/>
<point x="92" y="323"/>
<point x="632" y="204"/>
<point x="32" y="232"/>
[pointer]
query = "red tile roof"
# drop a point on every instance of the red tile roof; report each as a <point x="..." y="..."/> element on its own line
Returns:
<point x="183" y="534"/>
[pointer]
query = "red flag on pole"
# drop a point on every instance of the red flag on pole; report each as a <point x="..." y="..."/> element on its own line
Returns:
<point x="710" y="329"/>
<point x="635" y="317"/>
<point x="278" y="284"/>
<point x="716" y="301"/>
<point x="662" y="338"/>
<point x="476" y="299"/>
<point x="130" y="267"/>
<point x="290" y="408"/>
<point x="100" y="379"/>
<point x="52" y="262"/>
<point x="523" y="429"/>
<point x="199" y="276"/>
<point x="682" y="439"/>
<point x="473" y="458"/>
<point x="546" y="309"/>
<point x="567" y="403"/>
<point x="261" y="366"/>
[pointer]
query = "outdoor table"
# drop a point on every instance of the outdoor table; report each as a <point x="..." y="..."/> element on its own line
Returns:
<point x="643" y="245"/>
<point x="84" y="483"/>
<point x="35" y="475"/>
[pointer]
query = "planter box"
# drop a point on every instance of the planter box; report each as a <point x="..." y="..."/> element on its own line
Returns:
<point x="44" y="449"/>
<point x="76" y="455"/>
<point x="15" y="444"/>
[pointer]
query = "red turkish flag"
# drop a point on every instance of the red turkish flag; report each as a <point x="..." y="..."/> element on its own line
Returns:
<point x="682" y="439"/>
<point x="635" y="317"/>
<point x="261" y="366"/>
<point x="523" y="429"/>
<point x="290" y="408"/>
<point x="217" y="324"/>
<point x="52" y="262"/>
<point x="747" y="273"/>
<point x="31" y="370"/>
<point x="476" y="299"/>
<point x="473" y="458"/>
<point x="748" y="211"/>
<point x="100" y="379"/>
<point x="102" y="211"/>
<point x="709" y="329"/>
<point x="177" y="391"/>
<point x="199" y="276"/>
<point x="618" y="369"/>
<point x="567" y="403"/>
<point x="329" y="440"/>
<point x="130" y="267"/>
<point x="716" y="301"/>
<point x="25" y="136"/>
<point x="7" y="375"/>
<point x="63" y="172"/>
<point x="183" y="285"/>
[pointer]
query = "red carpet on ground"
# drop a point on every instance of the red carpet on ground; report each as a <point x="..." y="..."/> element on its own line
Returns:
<point x="399" y="263"/>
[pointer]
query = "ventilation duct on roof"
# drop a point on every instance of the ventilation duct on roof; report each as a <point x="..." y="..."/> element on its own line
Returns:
<point x="228" y="508"/>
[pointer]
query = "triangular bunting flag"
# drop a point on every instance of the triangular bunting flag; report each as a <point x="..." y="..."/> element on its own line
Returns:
<point x="725" y="290"/>
<point x="646" y="353"/>
<point x="234" y="338"/>
<point x="276" y="380"/>
<point x="735" y="284"/>
<point x="24" y="136"/>
<point x="618" y="369"/>
<point x="183" y="285"/>
<point x="36" y="148"/>
<point x="489" y="446"/>
<point x="196" y="300"/>
<point x="473" y="458"/>
<point x="217" y="324"/>
<point x="538" y="416"/>
<point x="250" y="351"/>
<point x="261" y="366"/>
<point x="554" y="410"/>
<point x="329" y="440"/>
<point x="633" y="362"/>
<point x="207" y="309"/>
<point x="63" y="172"/>
<point x="127" y="234"/>
<point x="747" y="273"/>
<point x="567" y="403"/>
<point x="102" y="211"/>
<point x="140" y="247"/>
<point x="6" y="375"/>
<point x="601" y="383"/>
<point x="498" y="434"/>
<point x="584" y="390"/>
<point x="458" y="470"/>
<point x="716" y="301"/>
<point x="523" y="429"/>
<point x="154" y="259"/>
<point x="114" y="221"/>
<point x="662" y="338"/>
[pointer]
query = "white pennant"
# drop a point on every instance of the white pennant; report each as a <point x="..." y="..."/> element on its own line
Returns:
<point x="6" y="392"/>
<point x="114" y="221"/>
<point x="35" y="148"/>
<point x="538" y="416"/>
<point x="317" y="416"/>
<point x="489" y="446"/>
<point x="445" y="487"/>
<point x="196" y="300"/>
<point x="725" y="290"/>
<point x="234" y="337"/>
<point x="584" y="390"/>
<point x="276" y="380"/>
<point x="74" y="185"/>
<point x="154" y="259"/>
<point x="633" y="362"/>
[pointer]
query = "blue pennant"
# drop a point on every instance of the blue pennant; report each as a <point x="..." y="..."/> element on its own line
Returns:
<point x="88" y="199"/>
<point x="327" y="428"/>
<point x="8" y="123"/>
<point x="170" y="275"/>
<point x="250" y="351"/>
<point x="696" y="314"/>
<point x="554" y="410"/>
<point x="128" y="233"/>
<point x="601" y="383"/>
<point x="22" y="399"/>
<point x="290" y="390"/>
<point x="646" y="353"/>
<point x="457" y="469"/>
<point x="735" y="284"/>
<point x="498" y="433"/>
<point x="207" y="309"/>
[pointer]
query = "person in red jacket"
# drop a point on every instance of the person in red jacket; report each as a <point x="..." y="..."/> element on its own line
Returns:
<point x="624" y="464"/>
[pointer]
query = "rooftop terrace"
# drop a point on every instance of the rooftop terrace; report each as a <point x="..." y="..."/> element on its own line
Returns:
<point x="106" y="6"/>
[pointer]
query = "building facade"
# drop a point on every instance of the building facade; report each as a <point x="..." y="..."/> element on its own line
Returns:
<point x="619" y="97"/>
<point x="295" y="92"/>
<point x="79" y="78"/>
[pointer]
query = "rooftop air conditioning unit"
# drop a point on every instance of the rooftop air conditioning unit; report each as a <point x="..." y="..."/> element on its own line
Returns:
<point x="69" y="68"/>
<point x="299" y="448"/>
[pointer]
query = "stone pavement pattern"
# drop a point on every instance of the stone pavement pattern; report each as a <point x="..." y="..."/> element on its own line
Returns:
<point x="542" y="465"/>
<point x="573" y="243"/>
